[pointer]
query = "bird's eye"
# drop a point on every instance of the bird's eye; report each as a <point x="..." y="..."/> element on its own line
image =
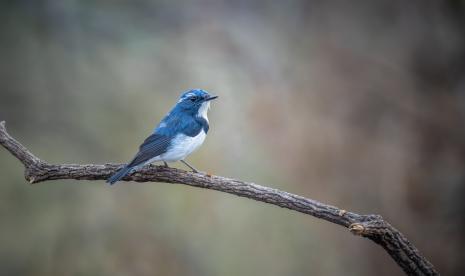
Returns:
<point x="193" y="98"/>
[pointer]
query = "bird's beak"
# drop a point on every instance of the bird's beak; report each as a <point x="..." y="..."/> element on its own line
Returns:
<point x="211" y="98"/>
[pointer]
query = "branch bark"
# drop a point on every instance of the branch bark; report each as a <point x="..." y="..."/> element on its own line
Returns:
<point x="372" y="227"/>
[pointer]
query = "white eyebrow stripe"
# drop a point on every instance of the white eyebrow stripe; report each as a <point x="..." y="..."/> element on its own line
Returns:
<point x="186" y="96"/>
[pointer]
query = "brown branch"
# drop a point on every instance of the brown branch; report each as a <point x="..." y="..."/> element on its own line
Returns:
<point x="372" y="227"/>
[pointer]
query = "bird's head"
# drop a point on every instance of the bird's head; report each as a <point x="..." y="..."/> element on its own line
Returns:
<point x="195" y="102"/>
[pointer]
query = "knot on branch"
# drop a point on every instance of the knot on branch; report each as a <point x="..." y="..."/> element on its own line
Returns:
<point x="370" y="226"/>
<point x="35" y="172"/>
<point x="342" y="212"/>
<point x="356" y="229"/>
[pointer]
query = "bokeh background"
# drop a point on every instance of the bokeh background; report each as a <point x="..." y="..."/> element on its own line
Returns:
<point x="359" y="104"/>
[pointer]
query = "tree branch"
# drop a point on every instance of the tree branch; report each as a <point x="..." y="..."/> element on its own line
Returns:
<point x="372" y="227"/>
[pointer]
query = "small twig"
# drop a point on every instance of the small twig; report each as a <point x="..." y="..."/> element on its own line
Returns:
<point x="372" y="227"/>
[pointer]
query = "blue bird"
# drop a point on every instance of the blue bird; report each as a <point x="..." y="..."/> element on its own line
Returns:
<point x="179" y="134"/>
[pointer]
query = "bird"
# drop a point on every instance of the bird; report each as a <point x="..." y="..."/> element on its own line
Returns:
<point x="181" y="132"/>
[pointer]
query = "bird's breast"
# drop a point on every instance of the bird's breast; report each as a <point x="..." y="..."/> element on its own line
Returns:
<point x="182" y="145"/>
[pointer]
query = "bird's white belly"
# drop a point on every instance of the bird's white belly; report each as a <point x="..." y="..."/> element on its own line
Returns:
<point x="182" y="146"/>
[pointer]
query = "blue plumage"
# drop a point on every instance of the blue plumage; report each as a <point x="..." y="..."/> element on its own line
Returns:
<point x="177" y="121"/>
<point x="179" y="134"/>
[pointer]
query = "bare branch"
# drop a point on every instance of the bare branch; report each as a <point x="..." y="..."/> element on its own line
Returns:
<point x="372" y="227"/>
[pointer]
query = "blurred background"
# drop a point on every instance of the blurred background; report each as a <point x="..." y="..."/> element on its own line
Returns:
<point x="356" y="104"/>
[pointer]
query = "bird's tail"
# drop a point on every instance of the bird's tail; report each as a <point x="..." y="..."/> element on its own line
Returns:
<point x="118" y="175"/>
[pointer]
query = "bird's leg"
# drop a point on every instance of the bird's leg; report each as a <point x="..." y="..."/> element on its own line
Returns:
<point x="166" y="164"/>
<point x="187" y="164"/>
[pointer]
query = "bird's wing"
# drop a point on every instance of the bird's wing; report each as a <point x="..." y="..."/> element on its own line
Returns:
<point x="153" y="146"/>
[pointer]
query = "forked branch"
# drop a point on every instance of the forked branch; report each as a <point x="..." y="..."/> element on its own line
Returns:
<point x="372" y="227"/>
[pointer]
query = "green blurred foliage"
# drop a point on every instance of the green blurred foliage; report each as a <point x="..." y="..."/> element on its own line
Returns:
<point x="360" y="105"/>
